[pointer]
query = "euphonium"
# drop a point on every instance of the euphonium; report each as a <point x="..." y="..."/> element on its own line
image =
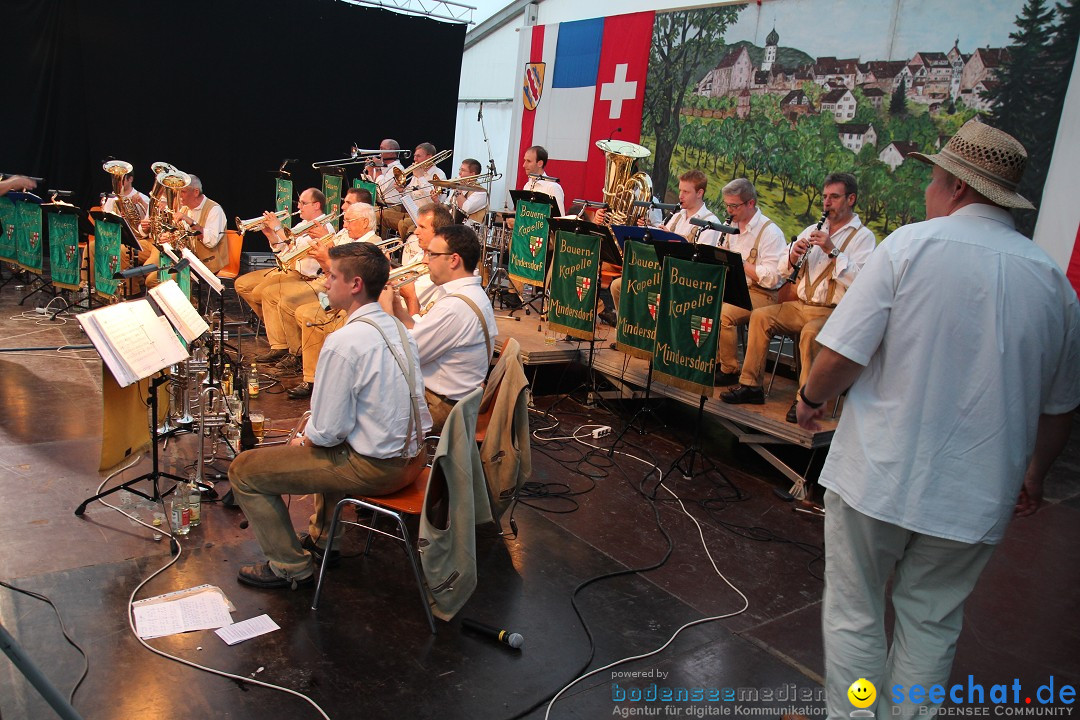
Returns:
<point x="131" y="212"/>
<point x="621" y="187"/>
<point x="402" y="176"/>
<point x="165" y="198"/>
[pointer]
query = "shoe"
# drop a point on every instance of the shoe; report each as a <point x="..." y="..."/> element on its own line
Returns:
<point x="608" y="318"/>
<point x="743" y="394"/>
<point x="724" y="379"/>
<point x="793" y="412"/>
<point x="317" y="552"/>
<point x="271" y="355"/>
<point x="261" y="576"/>
<point x="288" y="366"/>
<point x="301" y="391"/>
<point x="614" y="346"/>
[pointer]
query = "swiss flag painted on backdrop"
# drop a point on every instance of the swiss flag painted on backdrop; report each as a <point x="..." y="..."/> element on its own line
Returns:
<point x="594" y="83"/>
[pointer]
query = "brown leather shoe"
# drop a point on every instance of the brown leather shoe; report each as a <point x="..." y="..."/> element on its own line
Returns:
<point x="261" y="575"/>
<point x="301" y="391"/>
<point x="272" y="355"/>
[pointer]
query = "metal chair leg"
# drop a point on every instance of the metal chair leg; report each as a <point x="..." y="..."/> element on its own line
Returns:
<point x="326" y="552"/>
<point x="776" y="363"/>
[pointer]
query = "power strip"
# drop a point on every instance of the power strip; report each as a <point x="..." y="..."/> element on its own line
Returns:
<point x="600" y="432"/>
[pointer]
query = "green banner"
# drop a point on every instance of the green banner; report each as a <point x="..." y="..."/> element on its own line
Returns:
<point x="283" y="199"/>
<point x="528" y="245"/>
<point x="369" y="186"/>
<point x="640" y="300"/>
<point x="28" y="245"/>
<point x="64" y="260"/>
<point x="106" y="256"/>
<point x="574" y="282"/>
<point x="688" y="324"/>
<point x="331" y="187"/>
<point x="182" y="278"/>
<point x="7" y="229"/>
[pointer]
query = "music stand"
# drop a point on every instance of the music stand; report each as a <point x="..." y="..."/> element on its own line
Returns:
<point x="542" y="199"/>
<point x="649" y="235"/>
<point x="57" y="208"/>
<point x="712" y="256"/>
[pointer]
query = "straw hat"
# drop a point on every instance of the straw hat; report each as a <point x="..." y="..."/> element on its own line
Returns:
<point x="987" y="159"/>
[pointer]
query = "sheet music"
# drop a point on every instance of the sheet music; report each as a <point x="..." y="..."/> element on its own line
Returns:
<point x="247" y="629"/>
<point x="411" y="207"/>
<point x="202" y="271"/>
<point x="202" y="611"/>
<point x="172" y="301"/>
<point x="133" y="340"/>
<point x="168" y="250"/>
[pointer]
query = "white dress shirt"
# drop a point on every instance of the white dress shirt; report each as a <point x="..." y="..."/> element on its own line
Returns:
<point x="548" y="187"/>
<point x="213" y="227"/>
<point x="848" y="263"/>
<point x="387" y="185"/>
<point x="475" y="200"/>
<point x="769" y="249"/>
<point x="362" y="397"/>
<point x="454" y="354"/>
<point x="110" y="204"/>
<point x="680" y="225"/>
<point x="420" y="184"/>
<point x="309" y="266"/>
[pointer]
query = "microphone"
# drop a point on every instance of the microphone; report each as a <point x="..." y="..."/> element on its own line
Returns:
<point x="134" y="272"/>
<point x="711" y="225"/>
<point x="480" y="112"/>
<point x="506" y="637"/>
<point x="542" y="176"/>
<point x="670" y="207"/>
<point x="616" y="130"/>
<point x="178" y="267"/>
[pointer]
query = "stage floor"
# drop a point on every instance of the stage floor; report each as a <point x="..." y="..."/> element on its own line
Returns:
<point x="367" y="651"/>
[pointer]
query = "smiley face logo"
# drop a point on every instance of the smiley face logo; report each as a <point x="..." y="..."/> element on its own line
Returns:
<point x="862" y="693"/>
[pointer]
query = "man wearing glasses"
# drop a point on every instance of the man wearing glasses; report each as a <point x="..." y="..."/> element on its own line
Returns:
<point x="761" y="243"/>
<point x="456" y="336"/>
<point x="261" y="289"/>
<point x="835" y="252"/>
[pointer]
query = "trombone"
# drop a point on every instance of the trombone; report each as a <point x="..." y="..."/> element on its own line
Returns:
<point x="407" y="274"/>
<point x="402" y="176"/>
<point x="359" y="155"/>
<point x="467" y="182"/>
<point x="257" y="223"/>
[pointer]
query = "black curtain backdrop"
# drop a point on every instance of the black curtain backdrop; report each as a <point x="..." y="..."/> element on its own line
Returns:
<point x="225" y="90"/>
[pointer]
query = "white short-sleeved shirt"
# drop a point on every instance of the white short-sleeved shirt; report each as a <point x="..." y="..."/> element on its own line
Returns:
<point x="680" y="225"/>
<point x="968" y="332"/>
<point x="769" y="249"/>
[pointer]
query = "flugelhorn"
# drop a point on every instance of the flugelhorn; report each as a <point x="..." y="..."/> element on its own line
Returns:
<point x="257" y="223"/>
<point x="402" y="176"/>
<point x="303" y="227"/>
<point x="407" y="274"/>
<point x="390" y="245"/>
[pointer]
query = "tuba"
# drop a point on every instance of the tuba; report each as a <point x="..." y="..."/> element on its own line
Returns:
<point x="621" y="186"/>
<point x="129" y="211"/>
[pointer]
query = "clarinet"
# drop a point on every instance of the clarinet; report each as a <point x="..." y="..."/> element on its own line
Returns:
<point x="798" y="266"/>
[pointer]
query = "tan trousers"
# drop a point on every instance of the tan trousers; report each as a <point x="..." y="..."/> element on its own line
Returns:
<point x="251" y="286"/>
<point x="260" y="477"/>
<point x="312" y="338"/>
<point x="391" y="217"/>
<point x="616" y="291"/>
<point x="440" y="408"/>
<point x="731" y="316"/>
<point x="279" y="310"/>
<point x="790" y="318"/>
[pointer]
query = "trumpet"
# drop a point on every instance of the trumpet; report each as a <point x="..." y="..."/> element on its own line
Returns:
<point x="407" y="274"/>
<point x="402" y="176"/>
<point x="357" y="156"/>
<point x="257" y="223"/>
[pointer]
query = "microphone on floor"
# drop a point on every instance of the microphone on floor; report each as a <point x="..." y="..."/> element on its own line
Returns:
<point x="506" y="637"/>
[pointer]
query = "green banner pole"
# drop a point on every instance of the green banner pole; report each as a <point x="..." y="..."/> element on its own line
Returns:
<point x="331" y="187"/>
<point x="28" y="243"/>
<point x="574" y="281"/>
<point x="528" y="244"/>
<point x="688" y="324"/>
<point x="64" y="259"/>
<point x="283" y="199"/>
<point x="106" y="257"/>
<point x="639" y="302"/>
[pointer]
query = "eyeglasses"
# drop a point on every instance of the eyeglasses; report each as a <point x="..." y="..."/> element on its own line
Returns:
<point x="431" y="253"/>
<point x="733" y="208"/>
<point x="309" y="202"/>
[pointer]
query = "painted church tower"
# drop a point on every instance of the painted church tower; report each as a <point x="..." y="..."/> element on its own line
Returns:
<point x="771" y="42"/>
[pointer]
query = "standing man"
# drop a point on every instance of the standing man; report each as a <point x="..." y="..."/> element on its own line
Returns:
<point x="205" y="218"/>
<point x="534" y="163"/>
<point x="259" y="286"/>
<point x="761" y="243"/>
<point x="837" y="251"/>
<point x="962" y="392"/>
<point x="309" y="319"/>
<point x="456" y="336"/>
<point x="365" y="435"/>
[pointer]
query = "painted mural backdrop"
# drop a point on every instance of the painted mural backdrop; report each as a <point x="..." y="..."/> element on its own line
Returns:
<point x="785" y="92"/>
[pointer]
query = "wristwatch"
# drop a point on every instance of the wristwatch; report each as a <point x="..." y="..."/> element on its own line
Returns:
<point x="835" y="252"/>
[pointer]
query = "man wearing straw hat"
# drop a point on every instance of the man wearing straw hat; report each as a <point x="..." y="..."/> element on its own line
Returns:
<point x="959" y="341"/>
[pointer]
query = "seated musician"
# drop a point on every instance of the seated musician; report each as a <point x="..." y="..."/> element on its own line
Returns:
<point x="421" y="292"/>
<point x="420" y="187"/>
<point x="365" y="435"/>
<point x="835" y="253"/>
<point x="205" y="218"/>
<point x="692" y="187"/>
<point x="148" y="253"/>
<point x="761" y="243"/>
<point x="472" y="204"/>
<point x="381" y="172"/>
<point x="255" y="287"/>
<point x="456" y="336"/>
<point x="310" y="319"/>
